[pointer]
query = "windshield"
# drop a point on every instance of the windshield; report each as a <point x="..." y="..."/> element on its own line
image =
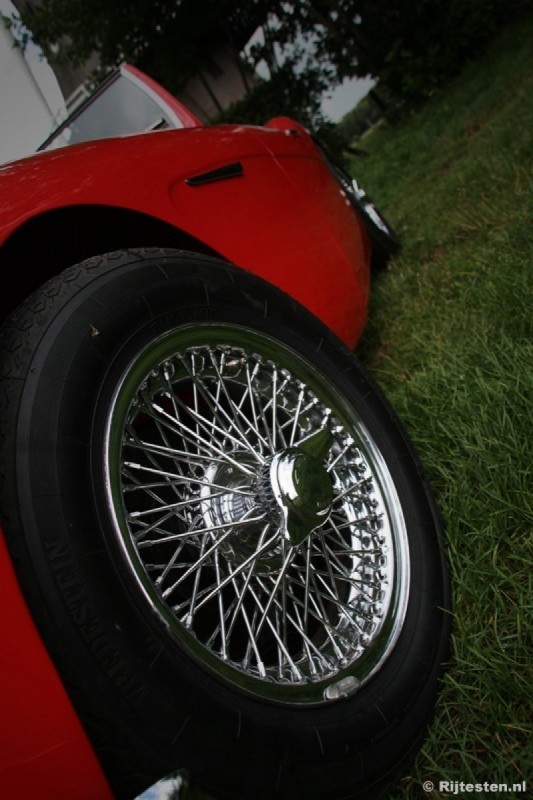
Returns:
<point x="118" y="107"/>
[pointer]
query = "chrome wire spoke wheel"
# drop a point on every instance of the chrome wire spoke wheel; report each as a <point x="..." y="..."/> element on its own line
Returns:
<point x="256" y="514"/>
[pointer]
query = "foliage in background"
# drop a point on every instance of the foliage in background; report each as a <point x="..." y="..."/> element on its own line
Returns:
<point x="170" y="39"/>
<point x="291" y="93"/>
<point x="377" y="104"/>
<point x="450" y="339"/>
<point x="284" y="92"/>
<point x="411" y="47"/>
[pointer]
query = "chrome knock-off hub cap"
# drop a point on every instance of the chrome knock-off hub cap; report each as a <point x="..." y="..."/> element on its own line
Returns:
<point x="303" y="490"/>
<point x="293" y="488"/>
<point x="256" y="515"/>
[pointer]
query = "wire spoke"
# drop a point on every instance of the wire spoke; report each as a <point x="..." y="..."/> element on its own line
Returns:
<point x="296" y="417"/>
<point x="236" y="410"/>
<point x="279" y="579"/>
<point x="237" y="571"/>
<point x="231" y="525"/>
<point x="209" y="427"/>
<point x="189" y="479"/>
<point x="188" y="436"/>
<point x="211" y="529"/>
<point x="175" y="453"/>
<point x="308" y="642"/>
<point x="220" y="413"/>
<point x="264" y="618"/>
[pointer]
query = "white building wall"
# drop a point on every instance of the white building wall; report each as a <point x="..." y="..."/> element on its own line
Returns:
<point x="29" y="96"/>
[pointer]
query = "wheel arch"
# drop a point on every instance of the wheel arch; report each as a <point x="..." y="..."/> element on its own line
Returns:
<point x="49" y="242"/>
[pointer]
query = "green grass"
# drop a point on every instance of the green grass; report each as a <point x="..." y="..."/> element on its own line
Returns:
<point x="449" y="339"/>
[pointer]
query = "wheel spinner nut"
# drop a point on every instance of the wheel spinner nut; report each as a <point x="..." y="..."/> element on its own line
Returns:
<point x="303" y="489"/>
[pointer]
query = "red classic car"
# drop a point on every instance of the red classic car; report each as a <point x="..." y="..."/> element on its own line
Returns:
<point x="219" y="550"/>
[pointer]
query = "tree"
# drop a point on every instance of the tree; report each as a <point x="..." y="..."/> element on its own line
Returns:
<point x="410" y="47"/>
<point x="170" y="39"/>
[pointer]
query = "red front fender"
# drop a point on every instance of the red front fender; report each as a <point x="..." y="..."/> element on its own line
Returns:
<point x="284" y="219"/>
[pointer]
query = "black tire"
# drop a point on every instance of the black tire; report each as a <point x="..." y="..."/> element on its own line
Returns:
<point x="154" y="695"/>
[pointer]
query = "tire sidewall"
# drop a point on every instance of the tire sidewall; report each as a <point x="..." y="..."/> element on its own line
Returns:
<point x="142" y="678"/>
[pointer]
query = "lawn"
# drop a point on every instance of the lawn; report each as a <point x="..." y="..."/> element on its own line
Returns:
<point x="449" y="339"/>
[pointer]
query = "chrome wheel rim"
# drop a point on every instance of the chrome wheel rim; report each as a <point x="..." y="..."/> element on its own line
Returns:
<point x="256" y="515"/>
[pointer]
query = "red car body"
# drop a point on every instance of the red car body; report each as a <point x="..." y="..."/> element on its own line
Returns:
<point x="280" y="215"/>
